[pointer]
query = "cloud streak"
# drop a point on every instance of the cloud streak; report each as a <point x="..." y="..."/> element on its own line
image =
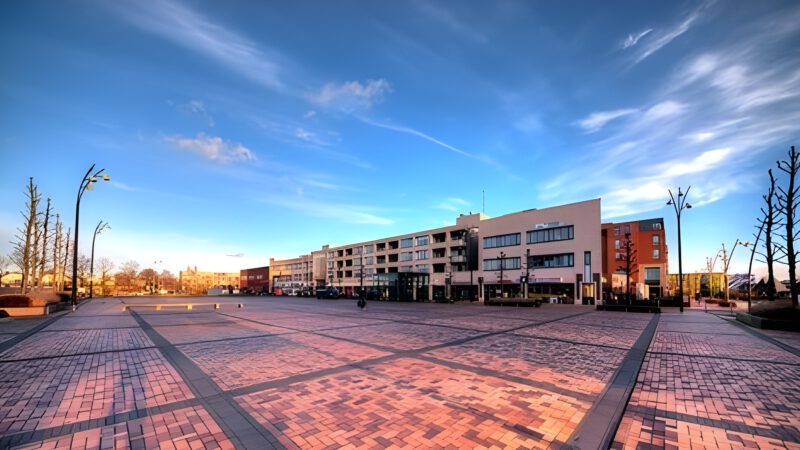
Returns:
<point x="212" y="148"/>
<point x="187" y="28"/>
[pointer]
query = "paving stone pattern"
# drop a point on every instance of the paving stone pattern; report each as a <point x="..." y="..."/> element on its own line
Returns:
<point x="305" y="373"/>
<point x="710" y="385"/>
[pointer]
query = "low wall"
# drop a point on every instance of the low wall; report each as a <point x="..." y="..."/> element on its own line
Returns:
<point x="767" y="324"/>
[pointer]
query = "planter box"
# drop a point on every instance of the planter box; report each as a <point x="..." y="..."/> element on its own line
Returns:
<point x="767" y="324"/>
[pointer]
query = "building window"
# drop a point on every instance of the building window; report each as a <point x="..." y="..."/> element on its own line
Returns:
<point x="422" y="254"/>
<point x="368" y="260"/>
<point x="618" y="255"/>
<point x="406" y="256"/>
<point x="422" y="240"/>
<point x="652" y="274"/>
<point x="655" y="254"/>
<point x="422" y="268"/>
<point x="369" y="248"/>
<point x="655" y="239"/>
<point x="507" y="263"/>
<point x="505" y="240"/>
<point x="627" y="229"/>
<point x="616" y="231"/>
<point x="616" y="244"/>
<point x="551" y="234"/>
<point x="407" y="242"/>
<point x="547" y="261"/>
<point x="657" y="226"/>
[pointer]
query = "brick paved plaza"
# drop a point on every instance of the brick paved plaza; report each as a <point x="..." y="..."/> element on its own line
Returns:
<point x="302" y="373"/>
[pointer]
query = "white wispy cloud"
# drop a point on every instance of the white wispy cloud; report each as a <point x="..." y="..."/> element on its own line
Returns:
<point x="706" y="124"/>
<point x="351" y="96"/>
<point x="659" y="38"/>
<point x="196" y="107"/>
<point x="212" y="148"/>
<point x="453" y="204"/>
<point x="190" y="29"/>
<point x="597" y="120"/>
<point x="417" y="133"/>
<point x="634" y="39"/>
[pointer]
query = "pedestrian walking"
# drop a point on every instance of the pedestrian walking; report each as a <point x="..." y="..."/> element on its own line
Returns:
<point x="362" y="302"/>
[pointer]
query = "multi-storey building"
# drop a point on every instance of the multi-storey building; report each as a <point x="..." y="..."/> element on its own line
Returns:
<point x="553" y="252"/>
<point x="193" y="281"/>
<point x="290" y="276"/>
<point x="648" y="258"/>
<point x="254" y="280"/>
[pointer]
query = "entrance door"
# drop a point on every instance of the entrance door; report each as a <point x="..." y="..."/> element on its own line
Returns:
<point x="587" y="293"/>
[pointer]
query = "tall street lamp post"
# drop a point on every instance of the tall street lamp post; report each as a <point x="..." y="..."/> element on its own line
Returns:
<point x="102" y="226"/>
<point x="86" y="185"/>
<point x="679" y="205"/>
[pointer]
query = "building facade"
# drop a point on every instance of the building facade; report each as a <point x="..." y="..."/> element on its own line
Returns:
<point x="550" y="252"/>
<point x="291" y="276"/>
<point x="648" y="258"/>
<point x="254" y="280"/>
<point x="195" y="282"/>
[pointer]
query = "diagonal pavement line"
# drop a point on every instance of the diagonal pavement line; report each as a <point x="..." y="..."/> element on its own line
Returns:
<point x="782" y="432"/>
<point x="5" y="345"/>
<point x="236" y="423"/>
<point x="28" y="437"/>
<point x="599" y="425"/>
<point x="762" y="336"/>
<point x="367" y="363"/>
<point x="543" y="385"/>
<point x="729" y="358"/>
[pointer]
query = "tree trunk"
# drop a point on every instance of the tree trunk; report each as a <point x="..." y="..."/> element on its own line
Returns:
<point x="769" y="217"/>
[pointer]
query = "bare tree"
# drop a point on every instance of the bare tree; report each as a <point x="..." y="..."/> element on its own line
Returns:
<point x="149" y="277"/>
<point x="770" y="223"/>
<point x="168" y="281"/>
<point x="630" y="260"/>
<point x="57" y="236"/>
<point x="787" y="204"/>
<point x="5" y="264"/>
<point x="24" y="251"/>
<point x="44" y="235"/>
<point x="127" y="278"/>
<point x="105" y="266"/>
<point x="66" y="258"/>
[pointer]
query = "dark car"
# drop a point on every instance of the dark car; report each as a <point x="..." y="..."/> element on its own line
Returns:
<point x="328" y="292"/>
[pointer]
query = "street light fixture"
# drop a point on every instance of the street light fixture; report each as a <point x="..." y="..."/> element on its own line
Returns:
<point x="679" y="205"/>
<point x="102" y="226"/>
<point x="86" y="185"/>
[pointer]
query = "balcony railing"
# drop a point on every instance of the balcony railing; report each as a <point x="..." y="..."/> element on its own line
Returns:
<point x="458" y="259"/>
<point x="458" y="243"/>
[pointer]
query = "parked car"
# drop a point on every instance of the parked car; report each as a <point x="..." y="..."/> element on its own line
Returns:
<point x="327" y="292"/>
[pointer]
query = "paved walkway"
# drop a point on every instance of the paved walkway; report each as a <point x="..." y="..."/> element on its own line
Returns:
<point x="296" y="373"/>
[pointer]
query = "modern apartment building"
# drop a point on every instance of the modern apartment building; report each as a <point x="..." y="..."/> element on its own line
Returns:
<point x="254" y="280"/>
<point x="648" y="258"/>
<point x="290" y="276"/>
<point x="552" y="252"/>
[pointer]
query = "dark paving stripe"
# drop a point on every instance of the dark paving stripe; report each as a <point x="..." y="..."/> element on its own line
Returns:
<point x="61" y="330"/>
<point x="239" y="426"/>
<point x="785" y="433"/>
<point x="729" y="358"/>
<point x="68" y="355"/>
<point x="7" y="344"/>
<point x="598" y="427"/>
<point x="508" y="377"/>
<point x="368" y="363"/>
<point x="764" y="337"/>
<point x="28" y="437"/>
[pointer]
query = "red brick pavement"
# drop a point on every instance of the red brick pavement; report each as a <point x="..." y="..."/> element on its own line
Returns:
<point x="188" y="428"/>
<point x="59" y="343"/>
<point x="52" y="392"/>
<point x="401" y="336"/>
<point x="241" y="363"/>
<point x="409" y="403"/>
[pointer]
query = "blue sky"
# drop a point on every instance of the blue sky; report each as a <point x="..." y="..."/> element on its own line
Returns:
<point x="237" y="131"/>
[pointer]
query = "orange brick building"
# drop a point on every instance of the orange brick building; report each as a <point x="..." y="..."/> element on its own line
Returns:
<point x="648" y="278"/>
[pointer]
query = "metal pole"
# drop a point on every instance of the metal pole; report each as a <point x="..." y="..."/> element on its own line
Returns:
<point x="91" y="265"/>
<point x="81" y="188"/>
